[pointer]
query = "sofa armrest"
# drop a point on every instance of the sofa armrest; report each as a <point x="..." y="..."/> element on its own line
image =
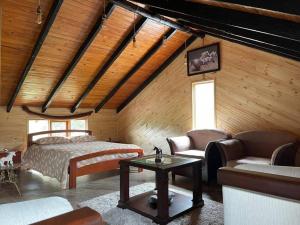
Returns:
<point x="230" y="149"/>
<point x="83" y="216"/>
<point x="178" y="144"/>
<point x="278" y="185"/>
<point x="285" y="155"/>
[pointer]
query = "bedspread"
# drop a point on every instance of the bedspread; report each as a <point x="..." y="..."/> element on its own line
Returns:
<point x="53" y="160"/>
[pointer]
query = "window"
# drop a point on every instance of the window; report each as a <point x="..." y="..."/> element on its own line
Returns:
<point x="37" y="126"/>
<point x="45" y="125"/>
<point x="204" y="105"/>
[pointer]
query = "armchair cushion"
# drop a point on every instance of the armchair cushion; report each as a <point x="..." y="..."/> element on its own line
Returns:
<point x="231" y="149"/>
<point x="249" y="160"/>
<point x="178" y="144"/>
<point x="199" y="154"/>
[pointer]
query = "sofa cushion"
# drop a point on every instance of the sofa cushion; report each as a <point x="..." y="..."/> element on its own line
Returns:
<point x="27" y="212"/>
<point x="249" y="160"/>
<point x="288" y="171"/>
<point x="199" y="154"/>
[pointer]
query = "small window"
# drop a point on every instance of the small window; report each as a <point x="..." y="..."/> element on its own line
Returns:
<point x="78" y="125"/>
<point x="59" y="125"/>
<point x="204" y="105"/>
<point x="46" y="125"/>
<point x="37" y="126"/>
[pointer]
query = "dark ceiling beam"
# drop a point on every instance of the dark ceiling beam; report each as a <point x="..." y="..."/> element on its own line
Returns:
<point x="40" y="40"/>
<point x="140" y="63"/>
<point x="85" y="45"/>
<point x="287" y="6"/>
<point x="287" y="10"/>
<point x="270" y="43"/>
<point x="142" y="21"/>
<point x="157" y="18"/>
<point x="273" y="35"/>
<point x="156" y="73"/>
<point x="245" y="41"/>
<point x="242" y="20"/>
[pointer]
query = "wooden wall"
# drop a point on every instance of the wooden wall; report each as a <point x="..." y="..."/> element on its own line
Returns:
<point x="14" y="125"/>
<point x="254" y="90"/>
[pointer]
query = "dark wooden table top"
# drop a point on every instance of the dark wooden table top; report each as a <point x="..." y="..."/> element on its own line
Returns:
<point x="169" y="162"/>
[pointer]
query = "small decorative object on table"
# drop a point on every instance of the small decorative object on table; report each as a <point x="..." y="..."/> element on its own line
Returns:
<point x="153" y="198"/>
<point x="8" y="159"/>
<point x="158" y="154"/>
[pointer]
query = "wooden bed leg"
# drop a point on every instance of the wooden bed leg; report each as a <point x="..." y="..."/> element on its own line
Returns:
<point x="140" y="154"/>
<point x="72" y="174"/>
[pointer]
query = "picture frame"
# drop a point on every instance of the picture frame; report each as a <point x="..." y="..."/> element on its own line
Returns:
<point x="203" y="60"/>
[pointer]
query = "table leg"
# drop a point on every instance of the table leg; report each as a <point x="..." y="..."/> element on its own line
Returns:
<point x="162" y="196"/>
<point x="124" y="185"/>
<point x="197" y="184"/>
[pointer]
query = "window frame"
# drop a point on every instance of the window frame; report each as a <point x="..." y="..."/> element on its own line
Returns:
<point x="68" y="124"/>
<point x="194" y="101"/>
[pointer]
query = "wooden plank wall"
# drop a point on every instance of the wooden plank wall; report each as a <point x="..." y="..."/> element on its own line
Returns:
<point x="0" y="46"/>
<point x="254" y="90"/>
<point x="14" y="125"/>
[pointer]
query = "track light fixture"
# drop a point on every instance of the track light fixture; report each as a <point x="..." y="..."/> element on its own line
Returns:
<point x="39" y="13"/>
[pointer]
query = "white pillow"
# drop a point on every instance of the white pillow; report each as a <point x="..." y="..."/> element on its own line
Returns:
<point x="82" y="138"/>
<point x="52" y="140"/>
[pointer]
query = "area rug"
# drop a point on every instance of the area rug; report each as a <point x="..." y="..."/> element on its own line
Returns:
<point x="210" y="214"/>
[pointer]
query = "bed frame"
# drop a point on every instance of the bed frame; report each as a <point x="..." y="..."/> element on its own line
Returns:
<point x="75" y="171"/>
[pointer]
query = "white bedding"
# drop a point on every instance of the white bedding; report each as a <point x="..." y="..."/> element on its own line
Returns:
<point x="53" y="160"/>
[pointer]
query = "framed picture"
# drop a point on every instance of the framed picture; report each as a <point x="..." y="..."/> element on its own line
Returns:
<point x="203" y="60"/>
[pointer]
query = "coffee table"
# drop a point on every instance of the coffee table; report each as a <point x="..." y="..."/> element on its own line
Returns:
<point x="164" y="212"/>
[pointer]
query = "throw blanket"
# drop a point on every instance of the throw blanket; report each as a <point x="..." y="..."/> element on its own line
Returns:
<point x="53" y="160"/>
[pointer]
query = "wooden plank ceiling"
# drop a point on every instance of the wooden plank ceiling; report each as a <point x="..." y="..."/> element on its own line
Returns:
<point x="85" y="62"/>
<point x="73" y="23"/>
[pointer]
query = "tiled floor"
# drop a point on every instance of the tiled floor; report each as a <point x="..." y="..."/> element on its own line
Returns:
<point x="34" y="185"/>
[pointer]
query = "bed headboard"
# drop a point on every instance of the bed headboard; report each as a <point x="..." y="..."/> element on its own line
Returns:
<point x="30" y="136"/>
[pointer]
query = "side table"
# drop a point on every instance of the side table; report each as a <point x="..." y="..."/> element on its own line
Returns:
<point x="8" y="175"/>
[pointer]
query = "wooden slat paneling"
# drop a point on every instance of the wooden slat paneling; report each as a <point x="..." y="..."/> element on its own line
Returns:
<point x="147" y="69"/>
<point x="13" y="132"/>
<point x="147" y="36"/>
<point x="116" y="27"/>
<point x="254" y="90"/>
<point x="71" y="27"/>
<point x="19" y="34"/>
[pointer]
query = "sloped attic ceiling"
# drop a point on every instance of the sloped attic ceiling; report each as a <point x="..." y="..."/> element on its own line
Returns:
<point x="76" y="58"/>
<point x="74" y="21"/>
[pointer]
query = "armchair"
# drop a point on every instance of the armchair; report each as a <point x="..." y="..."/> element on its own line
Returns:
<point x="260" y="194"/>
<point x="198" y="144"/>
<point x="259" y="147"/>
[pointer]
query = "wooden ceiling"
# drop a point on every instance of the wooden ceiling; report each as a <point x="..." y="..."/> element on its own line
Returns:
<point x="73" y="22"/>
<point x="78" y="59"/>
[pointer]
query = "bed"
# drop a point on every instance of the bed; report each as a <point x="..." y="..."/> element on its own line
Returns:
<point x="67" y="161"/>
